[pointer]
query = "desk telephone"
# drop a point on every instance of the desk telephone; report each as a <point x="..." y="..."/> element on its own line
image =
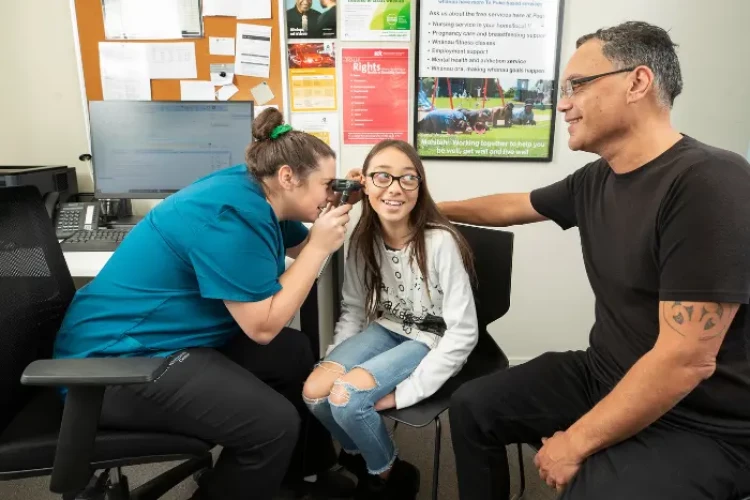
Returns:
<point x="74" y="217"/>
<point x="77" y="226"/>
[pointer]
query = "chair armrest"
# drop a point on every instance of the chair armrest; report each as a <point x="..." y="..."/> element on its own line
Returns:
<point x="86" y="381"/>
<point x="93" y="371"/>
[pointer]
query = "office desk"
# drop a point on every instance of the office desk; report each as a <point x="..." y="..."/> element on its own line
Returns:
<point x="316" y="317"/>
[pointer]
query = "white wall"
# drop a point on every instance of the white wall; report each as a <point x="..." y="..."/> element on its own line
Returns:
<point x="41" y="122"/>
<point x="41" y="110"/>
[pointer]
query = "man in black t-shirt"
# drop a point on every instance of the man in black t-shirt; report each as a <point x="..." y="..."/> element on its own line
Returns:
<point x="658" y="407"/>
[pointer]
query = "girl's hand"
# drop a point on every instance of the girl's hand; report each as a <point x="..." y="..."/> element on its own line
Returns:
<point x="386" y="402"/>
<point x="355" y="174"/>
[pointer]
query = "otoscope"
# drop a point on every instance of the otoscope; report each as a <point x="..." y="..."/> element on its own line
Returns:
<point x="346" y="188"/>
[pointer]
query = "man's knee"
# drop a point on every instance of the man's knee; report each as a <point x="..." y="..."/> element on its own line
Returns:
<point x="468" y="401"/>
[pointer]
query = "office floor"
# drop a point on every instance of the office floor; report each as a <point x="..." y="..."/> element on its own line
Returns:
<point x="415" y="445"/>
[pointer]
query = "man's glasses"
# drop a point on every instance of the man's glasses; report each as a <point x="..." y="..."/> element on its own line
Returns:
<point x="569" y="87"/>
<point x="408" y="182"/>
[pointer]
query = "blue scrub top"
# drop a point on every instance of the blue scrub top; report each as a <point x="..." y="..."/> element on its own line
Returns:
<point x="163" y="289"/>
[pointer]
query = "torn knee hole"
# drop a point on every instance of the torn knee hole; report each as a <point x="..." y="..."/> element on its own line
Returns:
<point x="332" y="367"/>
<point x="360" y="379"/>
<point x="339" y="395"/>
<point x="318" y="384"/>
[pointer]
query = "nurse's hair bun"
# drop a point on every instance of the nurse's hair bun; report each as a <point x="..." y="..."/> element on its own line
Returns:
<point x="275" y="145"/>
<point x="265" y="123"/>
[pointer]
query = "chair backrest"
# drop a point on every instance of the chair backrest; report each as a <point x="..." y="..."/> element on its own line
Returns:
<point x="493" y="262"/>
<point x="35" y="290"/>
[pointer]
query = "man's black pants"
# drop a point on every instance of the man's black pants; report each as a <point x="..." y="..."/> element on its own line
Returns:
<point x="245" y="397"/>
<point x="534" y="400"/>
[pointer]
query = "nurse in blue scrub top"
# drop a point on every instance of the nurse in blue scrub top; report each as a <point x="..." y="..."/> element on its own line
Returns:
<point x="202" y="280"/>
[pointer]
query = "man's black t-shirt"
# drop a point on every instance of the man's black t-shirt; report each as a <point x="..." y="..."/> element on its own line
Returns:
<point x="677" y="228"/>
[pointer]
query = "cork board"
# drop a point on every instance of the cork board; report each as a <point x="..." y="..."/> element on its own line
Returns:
<point x="90" y="20"/>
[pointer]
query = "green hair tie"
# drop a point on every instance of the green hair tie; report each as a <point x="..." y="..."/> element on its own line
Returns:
<point x="280" y="130"/>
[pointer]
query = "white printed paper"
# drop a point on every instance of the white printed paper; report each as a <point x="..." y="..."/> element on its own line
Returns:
<point x="376" y="20"/>
<point x="253" y="52"/>
<point x="172" y="60"/>
<point x="227" y="8"/>
<point x="510" y="42"/>
<point x="226" y="92"/>
<point x="254" y="9"/>
<point x="197" y="90"/>
<point x="324" y="126"/>
<point x="141" y="19"/>
<point x="220" y="46"/>
<point x="151" y="20"/>
<point x="124" y="71"/>
<point x="191" y="21"/>
<point x="261" y="93"/>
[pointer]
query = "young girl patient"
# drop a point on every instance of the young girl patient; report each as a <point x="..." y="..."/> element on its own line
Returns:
<point x="408" y="320"/>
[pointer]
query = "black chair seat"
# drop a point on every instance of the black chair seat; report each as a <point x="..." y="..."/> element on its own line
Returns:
<point x="30" y="440"/>
<point x="481" y="362"/>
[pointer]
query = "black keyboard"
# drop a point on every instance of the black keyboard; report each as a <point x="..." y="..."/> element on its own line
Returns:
<point x="95" y="240"/>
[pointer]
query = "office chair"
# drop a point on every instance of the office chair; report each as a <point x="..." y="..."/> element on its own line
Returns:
<point x="39" y="435"/>
<point x="493" y="259"/>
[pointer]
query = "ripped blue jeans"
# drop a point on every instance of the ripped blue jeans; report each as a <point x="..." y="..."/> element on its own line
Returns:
<point x="389" y="358"/>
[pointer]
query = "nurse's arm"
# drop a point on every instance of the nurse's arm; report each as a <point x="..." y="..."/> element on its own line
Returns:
<point x="263" y="320"/>
<point x="294" y="252"/>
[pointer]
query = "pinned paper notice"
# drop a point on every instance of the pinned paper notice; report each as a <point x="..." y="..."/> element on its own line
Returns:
<point x="197" y="90"/>
<point x="124" y="71"/>
<point x="253" y="52"/>
<point x="222" y="74"/>
<point x="226" y="92"/>
<point x="228" y="8"/>
<point x="172" y="60"/>
<point x="254" y="9"/>
<point x="220" y="46"/>
<point x="262" y="93"/>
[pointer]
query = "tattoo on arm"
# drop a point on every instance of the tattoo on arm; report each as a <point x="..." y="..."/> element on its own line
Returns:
<point x="712" y="321"/>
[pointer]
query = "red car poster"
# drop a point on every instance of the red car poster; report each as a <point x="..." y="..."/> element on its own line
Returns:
<point x="376" y="95"/>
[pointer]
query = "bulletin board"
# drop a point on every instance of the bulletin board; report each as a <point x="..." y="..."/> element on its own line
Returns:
<point x="90" y="20"/>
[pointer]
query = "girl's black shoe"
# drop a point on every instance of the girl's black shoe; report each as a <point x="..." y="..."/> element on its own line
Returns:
<point x="402" y="484"/>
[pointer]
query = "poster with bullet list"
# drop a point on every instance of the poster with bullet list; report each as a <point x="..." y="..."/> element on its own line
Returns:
<point x="486" y="78"/>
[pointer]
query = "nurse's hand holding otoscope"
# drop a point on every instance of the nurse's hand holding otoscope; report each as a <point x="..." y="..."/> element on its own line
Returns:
<point x="329" y="230"/>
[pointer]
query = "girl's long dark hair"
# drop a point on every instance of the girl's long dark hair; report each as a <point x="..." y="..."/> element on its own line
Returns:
<point x="425" y="215"/>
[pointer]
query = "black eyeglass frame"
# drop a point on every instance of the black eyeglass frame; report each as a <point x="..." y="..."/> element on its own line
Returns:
<point x="398" y="178"/>
<point x="577" y="82"/>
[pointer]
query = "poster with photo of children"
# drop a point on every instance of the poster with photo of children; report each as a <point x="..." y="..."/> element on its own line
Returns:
<point x="473" y="117"/>
<point x="486" y="80"/>
<point x="310" y="19"/>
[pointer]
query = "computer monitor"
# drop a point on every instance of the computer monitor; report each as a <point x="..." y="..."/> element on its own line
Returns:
<point x="151" y="149"/>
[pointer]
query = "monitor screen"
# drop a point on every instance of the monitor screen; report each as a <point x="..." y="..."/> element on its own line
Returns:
<point x="151" y="149"/>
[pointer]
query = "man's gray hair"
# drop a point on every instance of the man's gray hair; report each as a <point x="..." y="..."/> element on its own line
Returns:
<point x="636" y="43"/>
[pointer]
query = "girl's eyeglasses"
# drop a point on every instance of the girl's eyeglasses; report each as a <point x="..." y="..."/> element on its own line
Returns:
<point x="408" y="182"/>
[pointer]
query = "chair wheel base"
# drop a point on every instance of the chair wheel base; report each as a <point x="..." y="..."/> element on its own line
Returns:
<point x="105" y="486"/>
